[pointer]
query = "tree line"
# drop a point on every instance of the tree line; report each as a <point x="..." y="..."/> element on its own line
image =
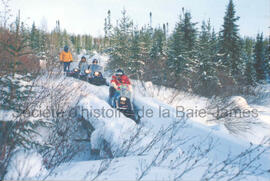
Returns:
<point x="199" y="60"/>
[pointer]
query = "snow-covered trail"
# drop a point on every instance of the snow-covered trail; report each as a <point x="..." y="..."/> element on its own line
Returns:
<point x="115" y="129"/>
<point x="157" y="113"/>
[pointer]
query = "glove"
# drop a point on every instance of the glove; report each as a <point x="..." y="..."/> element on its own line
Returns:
<point x="117" y="87"/>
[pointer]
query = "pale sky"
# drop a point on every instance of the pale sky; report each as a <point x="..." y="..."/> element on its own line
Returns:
<point x="87" y="16"/>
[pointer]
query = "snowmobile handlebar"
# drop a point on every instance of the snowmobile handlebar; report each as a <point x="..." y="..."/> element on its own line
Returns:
<point x="127" y="86"/>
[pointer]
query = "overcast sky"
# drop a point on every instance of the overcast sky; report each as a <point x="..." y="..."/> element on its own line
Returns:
<point x="87" y="16"/>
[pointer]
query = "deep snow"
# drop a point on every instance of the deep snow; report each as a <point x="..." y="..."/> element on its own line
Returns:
<point x="118" y="129"/>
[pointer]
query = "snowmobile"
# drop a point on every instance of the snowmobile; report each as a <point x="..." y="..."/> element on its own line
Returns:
<point x="74" y="73"/>
<point x="84" y="75"/>
<point x="123" y="102"/>
<point x="96" y="76"/>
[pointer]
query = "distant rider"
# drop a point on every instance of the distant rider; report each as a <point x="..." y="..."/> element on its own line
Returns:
<point x="94" y="67"/>
<point x="83" y="65"/>
<point x="118" y="79"/>
<point x="66" y="58"/>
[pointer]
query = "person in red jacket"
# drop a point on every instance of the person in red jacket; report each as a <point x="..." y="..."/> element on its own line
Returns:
<point x="118" y="79"/>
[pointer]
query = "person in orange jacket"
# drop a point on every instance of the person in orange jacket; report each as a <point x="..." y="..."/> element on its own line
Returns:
<point x="66" y="58"/>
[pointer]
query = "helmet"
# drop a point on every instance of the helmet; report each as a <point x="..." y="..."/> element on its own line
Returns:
<point x="66" y="48"/>
<point x="119" y="72"/>
<point x="83" y="58"/>
<point x="95" y="61"/>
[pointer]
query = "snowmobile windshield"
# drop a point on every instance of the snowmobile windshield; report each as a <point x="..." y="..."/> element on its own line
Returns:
<point x="124" y="91"/>
<point x="96" y="68"/>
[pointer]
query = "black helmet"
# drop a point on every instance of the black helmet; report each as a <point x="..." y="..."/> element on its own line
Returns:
<point x="95" y="61"/>
<point x="119" y="72"/>
<point x="83" y="58"/>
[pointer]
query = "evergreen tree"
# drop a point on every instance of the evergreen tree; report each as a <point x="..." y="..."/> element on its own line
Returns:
<point x="158" y="57"/>
<point x="268" y="57"/>
<point x="105" y="28"/>
<point x="208" y="81"/>
<point x="247" y="54"/>
<point x="78" y="43"/>
<point x="108" y="28"/>
<point x="88" y="42"/>
<point x="73" y="39"/>
<point x="145" y="44"/>
<point x="65" y="38"/>
<point x="109" y="24"/>
<point x="121" y="42"/>
<point x="56" y="39"/>
<point x="259" y="56"/>
<point x="34" y="37"/>
<point x="181" y="51"/>
<point x="135" y="65"/>
<point x="230" y="41"/>
<point x="158" y="44"/>
<point x="43" y="43"/>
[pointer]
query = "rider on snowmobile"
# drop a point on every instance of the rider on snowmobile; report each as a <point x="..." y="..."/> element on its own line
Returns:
<point x="94" y="67"/>
<point x="118" y="79"/>
<point x="83" y="65"/>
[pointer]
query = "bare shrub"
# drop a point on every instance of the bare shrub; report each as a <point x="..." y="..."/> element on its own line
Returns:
<point x="184" y="156"/>
<point x="234" y="113"/>
<point x="239" y="166"/>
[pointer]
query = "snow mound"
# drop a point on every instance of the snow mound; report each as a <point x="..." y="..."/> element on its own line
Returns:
<point x="238" y="102"/>
<point x="25" y="165"/>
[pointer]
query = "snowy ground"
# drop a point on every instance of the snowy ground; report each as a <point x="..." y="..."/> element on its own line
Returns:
<point x="155" y="106"/>
<point x="115" y="130"/>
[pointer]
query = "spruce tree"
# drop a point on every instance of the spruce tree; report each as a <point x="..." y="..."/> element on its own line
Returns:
<point x="158" y="44"/>
<point x="181" y="52"/>
<point x="121" y="42"/>
<point x="35" y="38"/>
<point x="259" y="56"/>
<point x="88" y="42"/>
<point x="105" y="28"/>
<point x="230" y="42"/>
<point x="136" y="65"/>
<point x="250" y="73"/>
<point x="207" y="81"/>
<point x="78" y="44"/>
<point x="145" y="44"/>
<point x="268" y="58"/>
<point x="158" y="56"/>
<point x="43" y="41"/>
<point x="65" y="37"/>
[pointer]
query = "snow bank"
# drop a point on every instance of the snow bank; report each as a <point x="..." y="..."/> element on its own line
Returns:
<point x="112" y="127"/>
<point x="25" y="165"/>
<point x="239" y="102"/>
<point x="7" y="115"/>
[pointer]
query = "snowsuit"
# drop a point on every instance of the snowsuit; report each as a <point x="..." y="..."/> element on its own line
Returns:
<point x="83" y="66"/>
<point x="123" y="80"/>
<point x="66" y="58"/>
<point x="95" y="68"/>
<point x="115" y="84"/>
